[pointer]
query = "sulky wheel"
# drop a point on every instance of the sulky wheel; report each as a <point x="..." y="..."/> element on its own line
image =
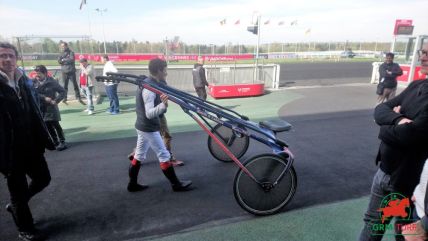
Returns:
<point x="236" y="143"/>
<point x="265" y="198"/>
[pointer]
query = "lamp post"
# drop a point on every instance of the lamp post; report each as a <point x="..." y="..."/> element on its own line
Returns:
<point x="101" y="11"/>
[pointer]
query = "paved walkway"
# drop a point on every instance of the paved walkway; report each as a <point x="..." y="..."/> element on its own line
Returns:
<point x="334" y="139"/>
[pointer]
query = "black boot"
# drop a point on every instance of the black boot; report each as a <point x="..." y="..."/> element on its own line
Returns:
<point x="177" y="185"/>
<point x="133" y="185"/>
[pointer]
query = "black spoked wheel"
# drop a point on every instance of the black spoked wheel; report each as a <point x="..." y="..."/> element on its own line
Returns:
<point x="265" y="198"/>
<point x="236" y="143"/>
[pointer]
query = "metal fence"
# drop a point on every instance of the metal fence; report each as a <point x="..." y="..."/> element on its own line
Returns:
<point x="180" y="76"/>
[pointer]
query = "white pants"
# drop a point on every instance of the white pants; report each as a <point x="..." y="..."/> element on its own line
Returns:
<point x="153" y="140"/>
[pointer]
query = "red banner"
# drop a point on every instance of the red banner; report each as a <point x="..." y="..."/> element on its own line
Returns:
<point x="236" y="90"/>
<point x="406" y="71"/>
<point x="146" y="57"/>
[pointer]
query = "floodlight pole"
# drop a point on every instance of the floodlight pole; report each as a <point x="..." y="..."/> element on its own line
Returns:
<point x="102" y="21"/>
<point x="257" y="48"/>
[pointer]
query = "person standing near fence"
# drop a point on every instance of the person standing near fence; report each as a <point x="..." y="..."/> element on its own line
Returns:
<point x="87" y="77"/>
<point x="23" y="139"/>
<point x="199" y="79"/>
<point x="111" y="87"/>
<point x="50" y="94"/>
<point x="388" y="73"/>
<point x="68" y="70"/>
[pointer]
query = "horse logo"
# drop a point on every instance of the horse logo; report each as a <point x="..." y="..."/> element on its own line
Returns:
<point x="394" y="205"/>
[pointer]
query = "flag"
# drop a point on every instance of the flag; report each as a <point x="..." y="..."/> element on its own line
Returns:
<point x="281" y="23"/>
<point x="308" y="31"/>
<point x="82" y="3"/>
<point x="293" y="23"/>
<point x="267" y="22"/>
<point x="238" y="22"/>
<point x="223" y="22"/>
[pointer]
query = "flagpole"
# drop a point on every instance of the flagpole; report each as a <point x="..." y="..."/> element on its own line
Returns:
<point x="258" y="44"/>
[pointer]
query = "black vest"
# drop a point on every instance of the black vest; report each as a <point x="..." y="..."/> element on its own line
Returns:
<point x="143" y="123"/>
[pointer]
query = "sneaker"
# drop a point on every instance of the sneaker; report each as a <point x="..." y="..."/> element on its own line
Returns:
<point x="135" y="187"/>
<point x="65" y="102"/>
<point x="114" y="113"/>
<point x="33" y="235"/>
<point x="85" y="110"/>
<point x="176" y="163"/>
<point x="90" y="112"/>
<point x="108" y="111"/>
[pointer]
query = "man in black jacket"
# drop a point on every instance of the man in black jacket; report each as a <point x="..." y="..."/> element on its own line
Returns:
<point x="403" y="150"/>
<point x="68" y="69"/>
<point x="388" y="73"/>
<point x="50" y="94"/>
<point x="199" y="79"/>
<point x="23" y="138"/>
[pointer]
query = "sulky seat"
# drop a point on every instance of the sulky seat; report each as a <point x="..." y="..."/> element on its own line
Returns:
<point x="276" y="125"/>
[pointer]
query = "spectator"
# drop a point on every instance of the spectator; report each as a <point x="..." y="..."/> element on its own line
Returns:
<point x="111" y="88"/>
<point x="50" y="94"/>
<point x="23" y="139"/>
<point x="388" y="73"/>
<point x="420" y="195"/>
<point x="199" y="79"/>
<point x="418" y="229"/>
<point x="87" y="76"/>
<point x="403" y="123"/>
<point x="66" y="60"/>
<point x="149" y="107"/>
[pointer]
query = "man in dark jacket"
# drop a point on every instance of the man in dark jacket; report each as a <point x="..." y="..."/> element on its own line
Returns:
<point x="50" y="94"/>
<point x="388" y="73"/>
<point x="68" y="69"/>
<point x="419" y="229"/>
<point x="23" y="138"/>
<point x="403" y="123"/>
<point x="199" y="79"/>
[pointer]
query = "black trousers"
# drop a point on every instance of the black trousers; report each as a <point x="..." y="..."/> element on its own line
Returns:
<point x="21" y="192"/>
<point x="70" y="76"/>
<point x="55" y="130"/>
<point x="202" y="93"/>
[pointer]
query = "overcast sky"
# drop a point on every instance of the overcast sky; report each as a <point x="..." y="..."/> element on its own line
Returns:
<point x="199" y="21"/>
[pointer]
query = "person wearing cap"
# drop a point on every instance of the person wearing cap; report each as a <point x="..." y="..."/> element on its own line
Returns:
<point x="50" y="94"/>
<point x="111" y="87"/>
<point x="87" y="77"/>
